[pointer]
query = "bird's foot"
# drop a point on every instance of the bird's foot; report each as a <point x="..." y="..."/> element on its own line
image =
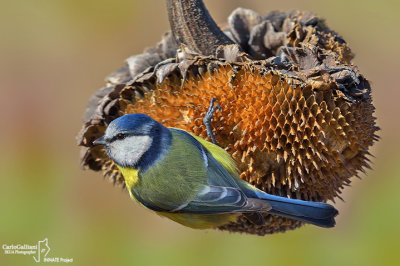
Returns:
<point x="255" y="218"/>
<point x="208" y="118"/>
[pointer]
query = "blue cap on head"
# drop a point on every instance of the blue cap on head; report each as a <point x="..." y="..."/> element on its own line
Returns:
<point x="135" y="123"/>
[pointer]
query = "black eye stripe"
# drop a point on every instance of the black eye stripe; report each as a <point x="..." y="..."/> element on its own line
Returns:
<point x="121" y="136"/>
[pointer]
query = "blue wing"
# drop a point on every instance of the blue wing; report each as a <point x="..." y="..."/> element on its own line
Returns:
<point x="317" y="213"/>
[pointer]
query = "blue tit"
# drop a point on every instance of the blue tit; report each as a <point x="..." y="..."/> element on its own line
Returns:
<point x="192" y="181"/>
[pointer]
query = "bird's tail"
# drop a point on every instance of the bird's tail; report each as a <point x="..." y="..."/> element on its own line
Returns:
<point x="317" y="213"/>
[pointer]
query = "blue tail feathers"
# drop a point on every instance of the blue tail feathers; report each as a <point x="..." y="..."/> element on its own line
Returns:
<point x="317" y="213"/>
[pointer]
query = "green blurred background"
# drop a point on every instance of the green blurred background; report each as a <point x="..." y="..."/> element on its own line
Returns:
<point x="55" y="53"/>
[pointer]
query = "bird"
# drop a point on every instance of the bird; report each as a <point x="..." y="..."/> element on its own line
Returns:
<point x="192" y="181"/>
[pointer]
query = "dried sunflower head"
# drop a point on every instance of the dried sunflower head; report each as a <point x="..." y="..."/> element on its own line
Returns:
<point x="296" y="113"/>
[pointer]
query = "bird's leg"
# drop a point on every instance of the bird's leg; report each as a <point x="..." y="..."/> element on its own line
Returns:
<point x="255" y="218"/>
<point x="208" y="118"/>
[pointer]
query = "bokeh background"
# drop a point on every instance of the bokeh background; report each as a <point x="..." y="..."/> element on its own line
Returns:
<point x="55" y="53"/>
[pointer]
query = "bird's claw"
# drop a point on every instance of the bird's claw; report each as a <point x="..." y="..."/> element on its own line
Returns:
<point x="208" y="118"/>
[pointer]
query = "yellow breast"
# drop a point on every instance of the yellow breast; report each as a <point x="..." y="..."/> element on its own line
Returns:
<point x="201" y="221"/>
<point x="130" y="175"/>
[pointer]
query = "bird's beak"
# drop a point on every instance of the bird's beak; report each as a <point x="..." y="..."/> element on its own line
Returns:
<point x="99" y="141"/>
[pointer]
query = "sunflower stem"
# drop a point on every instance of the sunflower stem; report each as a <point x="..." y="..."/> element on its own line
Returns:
<point x="194" y="27"/>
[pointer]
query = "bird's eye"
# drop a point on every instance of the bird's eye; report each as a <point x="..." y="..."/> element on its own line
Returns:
<point x="120" y="136"/>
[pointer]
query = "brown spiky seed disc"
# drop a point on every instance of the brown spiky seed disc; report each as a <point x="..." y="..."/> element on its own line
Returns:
<point x="287" y="140"/>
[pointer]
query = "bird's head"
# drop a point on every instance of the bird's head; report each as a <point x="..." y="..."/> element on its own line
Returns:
<point x="128" y="138"/>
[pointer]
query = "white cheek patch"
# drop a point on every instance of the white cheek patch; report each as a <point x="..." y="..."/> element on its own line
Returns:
<point x="128" y="151"/>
